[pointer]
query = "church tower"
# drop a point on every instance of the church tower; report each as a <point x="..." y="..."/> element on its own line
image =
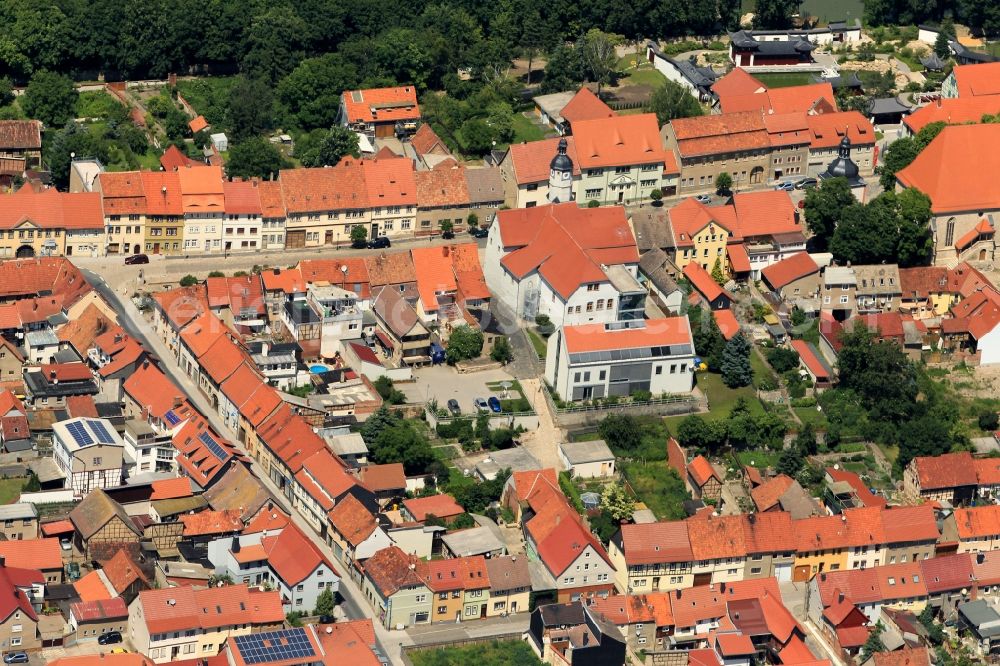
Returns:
<point x="561" y="176"/>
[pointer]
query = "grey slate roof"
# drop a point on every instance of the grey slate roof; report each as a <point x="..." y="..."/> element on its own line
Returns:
<point x="884" y="105"/>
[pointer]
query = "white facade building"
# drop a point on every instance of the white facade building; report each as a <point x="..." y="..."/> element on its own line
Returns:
<point x="618" y="359"/>
<point x="89" y="453"/>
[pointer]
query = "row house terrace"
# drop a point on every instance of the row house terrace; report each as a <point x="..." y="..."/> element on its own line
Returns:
<point x="40" y="221"/>
<point x="204" y="205"/>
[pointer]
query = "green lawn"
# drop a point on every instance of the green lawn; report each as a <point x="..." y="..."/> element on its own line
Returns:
<point x="811" y="415"/>
<point x="761" y="370"/>
<point x="525" y="130"/>
<point x="541" y="347"/>
<point x="658" y="487"/>
<point x="784" y="80"/>
<point x="96" y="104"/>
<point x="209" y="96"/>
<point x="645" y="76"/>
<point x="10" y="489"/>
<point x="758" y="458"/>
<point x="495" y="653"/>
<point x="721" y="400"/>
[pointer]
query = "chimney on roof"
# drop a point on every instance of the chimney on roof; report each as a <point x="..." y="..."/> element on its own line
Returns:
<point x="236" y="545"/>
<point x="980" y="558"/>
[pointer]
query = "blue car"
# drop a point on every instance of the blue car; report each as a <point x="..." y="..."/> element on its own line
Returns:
<point x="494" y="404"/>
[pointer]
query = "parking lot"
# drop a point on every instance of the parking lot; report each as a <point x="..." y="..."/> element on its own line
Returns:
<point x="442" y="383"/>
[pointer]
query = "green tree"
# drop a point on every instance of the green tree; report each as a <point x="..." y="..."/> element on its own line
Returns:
<point x="274" y="43"/>
<point x="723" y="183"/>
<point x="403" y="443"/>
<point x="250" y="108"/>
<point x="616" y="503"/>
<point x="941" y="47"/>
<point x="6" y="91"/>
<point x="782" y="359"/>
<point x="325" y="603"/>
<point x="188" y="281"/>
<point x="51" y="98"/>
<point x="599" y="55"/>
<point x="447" y="229"/>
<point x="657" y="197"/>
<point x="534" y="37"/>
<point x="874" y="643"/>
<point x="696" y="432"/>
<point x="717" y="274"/>
<point x="988" y="421"/>
<point x="478" y="136"/>
<point x="502" y="352"/>
<point x="381" y="419"/>
<point x="879" y="373"/>
<point x="32" y="485"/>
<point x="216" y="274"/>
<point x="311" y="91"/>
<point x="337" y="143"/>
<point x="735" y="366"/>
<point x="774" y="14"/>
<point x="671" y="101"/>
<point x="472" y="221"/>
<point x="621" y="432"/>
<point x="388" y="391"/>
<point x="805" y="440"/>
<point x="358" y="235"/>
<point x="564" y="69"/>
<point x="255" y="158"/>
<point x="790" y="462"/>
<point x="708" y="339"/>
<point x="464" y="343"/>
<point x="865" y="235"/>
<point x="824" y="206"/>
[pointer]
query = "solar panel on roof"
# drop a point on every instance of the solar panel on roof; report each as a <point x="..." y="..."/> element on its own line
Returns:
<point x="79" y="433"/>
<point x="213" y="446"/>
<point x="103" y="436"/>
<point x="172" y="418"/>
<point x="274" y="646"/>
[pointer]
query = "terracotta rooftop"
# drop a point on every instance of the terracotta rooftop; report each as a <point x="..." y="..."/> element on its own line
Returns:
<point x="440" y="505"/>
<point x="585" y="105"/>
<point x="20" y="134"/>
<point x="978" y="79"/>
<point x="531" y="160"/>
<point x="950" y="470"/>
<point x="381" y="105"/>
<point x="600" y="337"/>
<point x="954" y="111"/>
<point x="621" y="141"/>
<point x="786" y="271"/>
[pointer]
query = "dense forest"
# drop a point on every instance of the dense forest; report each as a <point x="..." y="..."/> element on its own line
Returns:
<point x="418" y="41"/>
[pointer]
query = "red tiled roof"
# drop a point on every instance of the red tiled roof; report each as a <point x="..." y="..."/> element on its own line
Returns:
<point x="381" y="105"/>
<point x="442" y="186"/>
<point x="715" y="537"/>
<point x="20" y="134"/>
<point x="811" y="359"/>
<point x="767" y="495"/>
<point x="905" y="524"/>
<point x="655" y="332"/>
<point x="182" y="608"/>
<point x="171" y="488"/>
<point x="944" y="173"/>
<point x="211" y="522"/>
<point x="690" y="216"/>
<point x="286" y="280"/>
<point x="852" y="637"/>
<point x="92" y="587"/>
<point x="915" y="656"/>
<point x="197" y="124"/>
<point x="531" y="160"/>
<point x="391" y="570"/>
<point x="984" y="228"/>
<point x="440" y="505"/>
<point x="51" y="209"/>
<point x="379" y="478"/>
<point x="457" y="573"/>
<point x="790" y="99"/>
<point x="163" y="193"/>
<point x="525" y="482"/>
<point x="122" y="572"/>
<point x="950" y="470"/>
<point x="272" y="203"/>
<point x="585" y="105"/>
<point x="769" y="532"/>
<point x="702" y="471"/>
<point x="978" y="79"/>
<point x="356" y="278"/>
<point x="790" y="269"/>
<point x="703" y="282"/>
<point x="424" y="140"/>
<point x="329" y="474"/>
<point x="566" y="244"/>
<point x="66" y="372"/>
<point x="560" y="537"/>
<point x="623" y="609"/>
<point x="764" y="213"/>
<point x="727" y="132"/>
<point x="260" y="405"/>
<point x="828" y="129"/>
<point x="737" y="82"/>
<point x="241" y="197"/>
<point x="955" y="111"/>
<point x="41" y="554"/>
<point x="390" y="182"/>
<point x="861" y="491"/>
<point x="738" y="257"/>
<point x="20" y="278"/>
<point x="172" y="159"/>
<point x="57" y="527"/>
<point x="337" y="188"/>
<point x="947" y="572"/>
<point x="979" y="521"/>
<point x="293" y="556"/>
<point x="621" y="141"/>
<point x="726" y="321"/>
<point x="735" y="645"/>
<point x="704" y="602"/>
<point x="290" y="438"/>
<point x="101" y="609"/>
<point x="653" y="543"/>
<point x="352" y="520"/>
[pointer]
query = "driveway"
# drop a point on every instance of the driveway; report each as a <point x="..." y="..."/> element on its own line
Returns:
<point x="442" y="383"/>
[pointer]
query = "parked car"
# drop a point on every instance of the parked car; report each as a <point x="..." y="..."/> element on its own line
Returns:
<point x="379" y="242"/>
<point x="494" y="404"/>
<point x="786" y="186"/>
<point x="119" y="650"/>
<point x="453" y="407"/>
<point x="65" y="544"/>
<point x="110" y="638"/>
<point x="73" y="571"/>
<point x="806" y="183"/>
<point x="136" y="259"/>
<point x="15" y="658"/>
<point x="704" y="198"/>
<point x="479" y="232"/>
<point x="481" y="405"/>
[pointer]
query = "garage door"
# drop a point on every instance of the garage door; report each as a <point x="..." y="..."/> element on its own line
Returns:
<point x="802" y="573"/>
<point x="295" y="238"/>
<point x="783" y="572"/>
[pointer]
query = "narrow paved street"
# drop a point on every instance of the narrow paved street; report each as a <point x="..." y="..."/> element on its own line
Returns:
<point x="355" y="606"/>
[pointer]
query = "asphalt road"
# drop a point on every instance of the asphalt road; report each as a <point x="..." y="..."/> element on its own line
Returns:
<point x="130" y="319"/>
